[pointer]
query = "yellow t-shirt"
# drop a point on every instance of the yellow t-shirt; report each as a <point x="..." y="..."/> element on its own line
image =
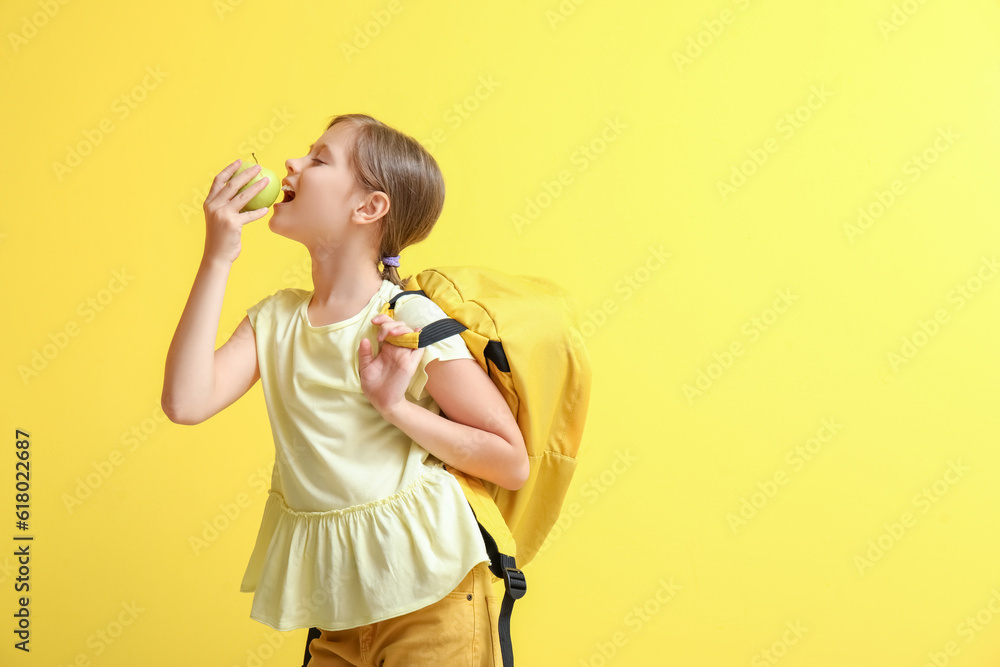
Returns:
<point x="361" y="523"/>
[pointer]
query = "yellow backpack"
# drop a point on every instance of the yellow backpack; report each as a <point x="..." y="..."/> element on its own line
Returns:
<point x="524" y="332"/>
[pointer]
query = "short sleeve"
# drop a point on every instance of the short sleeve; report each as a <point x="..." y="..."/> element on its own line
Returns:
<point x="418" y="311"/>
<point x="255" y="309"/>
<point x="279" y="299"/>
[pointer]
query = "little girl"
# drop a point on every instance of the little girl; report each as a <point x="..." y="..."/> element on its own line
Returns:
<point x="364" y="534"/>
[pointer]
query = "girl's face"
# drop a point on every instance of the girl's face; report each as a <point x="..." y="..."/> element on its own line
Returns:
<point x="326" y="192"/>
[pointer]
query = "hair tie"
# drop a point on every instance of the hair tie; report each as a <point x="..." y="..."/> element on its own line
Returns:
<point x="391" y="261"/>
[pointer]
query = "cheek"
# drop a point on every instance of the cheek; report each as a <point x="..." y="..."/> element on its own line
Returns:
<point x="323" y="193"/>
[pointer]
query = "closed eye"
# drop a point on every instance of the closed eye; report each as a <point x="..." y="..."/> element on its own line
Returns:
<point x="320" y="161"/>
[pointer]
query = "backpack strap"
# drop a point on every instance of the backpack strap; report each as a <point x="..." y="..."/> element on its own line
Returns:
<point x="500" y="547"/>
<point x="439" y="330"/>
<point x="504" y="567"/>
<point x="435" y="331"/>
<point x="392" y="301"/>
<point x="313" y="634"/>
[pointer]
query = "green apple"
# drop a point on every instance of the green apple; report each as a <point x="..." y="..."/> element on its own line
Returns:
<point x="268" y="195"/>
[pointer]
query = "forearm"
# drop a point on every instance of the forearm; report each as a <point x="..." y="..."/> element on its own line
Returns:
<point x="189" y="377"/>
<point x="474" y="451"/>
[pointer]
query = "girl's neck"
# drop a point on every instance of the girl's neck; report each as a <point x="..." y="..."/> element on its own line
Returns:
<point x="342" y="276"/>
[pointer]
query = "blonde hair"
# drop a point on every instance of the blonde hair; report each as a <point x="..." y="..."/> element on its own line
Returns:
<point x="384" y="159"/>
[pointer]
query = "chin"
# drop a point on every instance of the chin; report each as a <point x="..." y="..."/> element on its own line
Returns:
<point x="277" y="228"/>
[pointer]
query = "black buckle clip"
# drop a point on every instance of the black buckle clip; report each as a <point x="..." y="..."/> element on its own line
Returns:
<point x="513" y="580"/>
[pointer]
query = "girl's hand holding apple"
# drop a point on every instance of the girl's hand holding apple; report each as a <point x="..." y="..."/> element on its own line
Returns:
<point x="223" y="219"/>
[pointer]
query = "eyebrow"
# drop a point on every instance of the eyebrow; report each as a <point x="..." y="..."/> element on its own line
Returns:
<point x="324" y="147"/>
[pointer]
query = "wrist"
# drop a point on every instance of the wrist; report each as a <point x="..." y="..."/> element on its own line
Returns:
<point x="211" y="263"/>
<point x="395" y="414"/>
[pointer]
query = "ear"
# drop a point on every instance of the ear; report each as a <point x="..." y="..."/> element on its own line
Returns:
<point x="372" y="208"/>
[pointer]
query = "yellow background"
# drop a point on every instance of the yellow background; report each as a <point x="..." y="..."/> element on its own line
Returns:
<point x="871" y="548"/>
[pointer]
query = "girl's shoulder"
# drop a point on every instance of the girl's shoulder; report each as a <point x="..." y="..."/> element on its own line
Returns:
<point x="279" y="300"/>
<point x="417" y="310"/>
<point x="287" y="294"/>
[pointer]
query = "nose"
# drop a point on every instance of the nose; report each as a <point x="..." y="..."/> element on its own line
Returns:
<point x="292" y="164"/>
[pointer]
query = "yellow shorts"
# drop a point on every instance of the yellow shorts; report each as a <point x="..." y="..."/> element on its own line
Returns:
<point x="458" y="630"/>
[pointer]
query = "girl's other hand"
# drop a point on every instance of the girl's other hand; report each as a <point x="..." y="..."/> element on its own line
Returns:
<point x="223" y="220"/>
<point x="384" y="380"/>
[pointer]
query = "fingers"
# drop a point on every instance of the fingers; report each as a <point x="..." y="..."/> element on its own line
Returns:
<point x="222" y="177"/>
<point x="388" y="330"/>
<point x="364" y="353"/>
<point x="241" y="179"/>
<point x="251" y="215"/>
<point x="389" y="327"/>
<point x="242" y="198"/>
<point x="225" y="184"/>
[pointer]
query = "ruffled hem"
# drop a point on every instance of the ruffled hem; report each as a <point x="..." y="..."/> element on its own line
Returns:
<point x="343" y="568"/>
